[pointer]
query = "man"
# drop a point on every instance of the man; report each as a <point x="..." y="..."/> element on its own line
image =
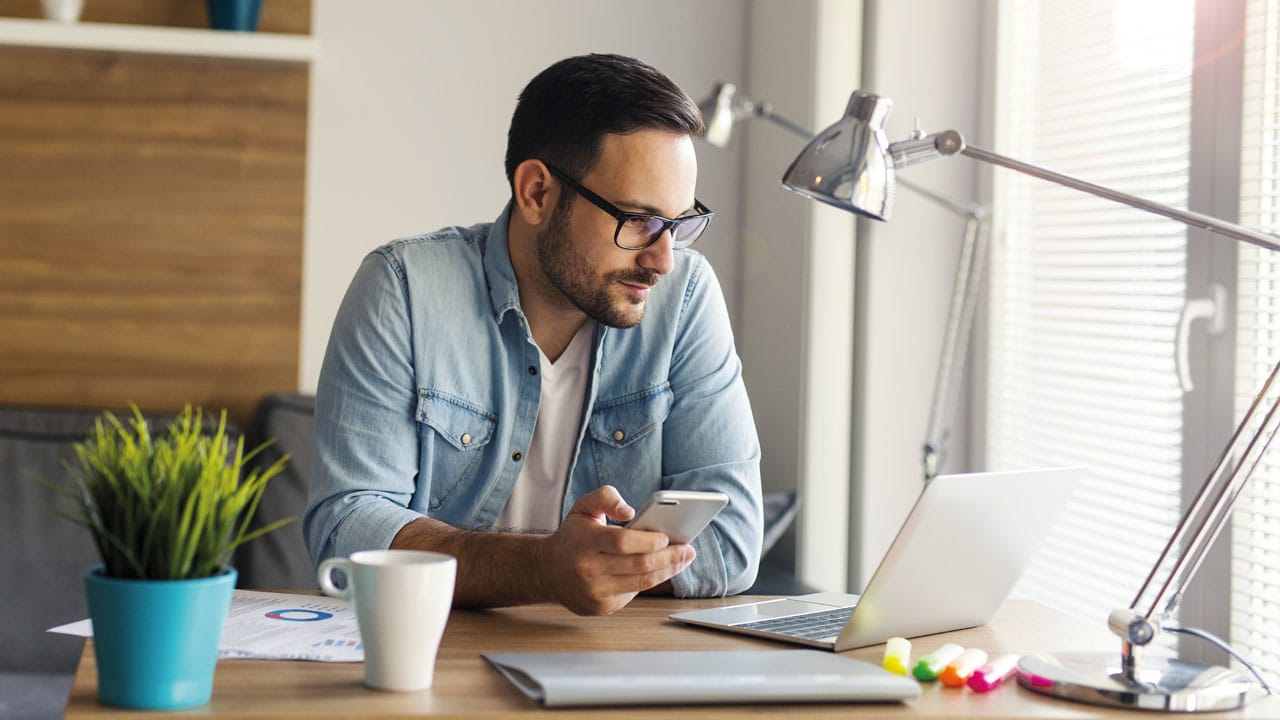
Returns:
<point x="501" y="392"/>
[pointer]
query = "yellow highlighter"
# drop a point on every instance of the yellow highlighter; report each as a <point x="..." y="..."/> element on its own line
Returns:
<point x="897" y="656"/>
<point x="931" y="665"/>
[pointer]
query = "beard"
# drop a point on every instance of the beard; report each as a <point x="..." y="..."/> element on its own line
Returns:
<point x="572" y="273"/>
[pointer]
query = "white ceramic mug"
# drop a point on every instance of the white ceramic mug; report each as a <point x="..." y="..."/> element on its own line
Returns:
<point x="402" y="600"/>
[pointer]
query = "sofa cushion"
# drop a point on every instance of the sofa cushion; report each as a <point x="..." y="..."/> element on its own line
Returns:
<point x="279" y="559"/>
<point x="43" y="557"/>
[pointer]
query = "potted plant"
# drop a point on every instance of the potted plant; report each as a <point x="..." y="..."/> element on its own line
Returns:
<point x="166" y="511"/>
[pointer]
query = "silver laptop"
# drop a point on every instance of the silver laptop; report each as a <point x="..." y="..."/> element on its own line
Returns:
<point x="956" y="558"/>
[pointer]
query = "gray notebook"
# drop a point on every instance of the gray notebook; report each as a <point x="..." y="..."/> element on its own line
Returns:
<point x="698" y="677"/>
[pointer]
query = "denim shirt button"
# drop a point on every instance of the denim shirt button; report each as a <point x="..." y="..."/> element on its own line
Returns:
<point x="618" y="435"/>
<point x="533" y="370"/>
<point x="466" y="438"/>
<point x="516" y="456"/>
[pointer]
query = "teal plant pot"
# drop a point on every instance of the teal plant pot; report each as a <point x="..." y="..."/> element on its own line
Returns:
<point x="156" y="641"/>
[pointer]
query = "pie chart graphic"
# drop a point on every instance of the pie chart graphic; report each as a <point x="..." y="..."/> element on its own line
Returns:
<point x="298" y="615"/>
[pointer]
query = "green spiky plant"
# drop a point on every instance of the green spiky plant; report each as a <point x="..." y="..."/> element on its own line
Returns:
<point x="172" y="506"/>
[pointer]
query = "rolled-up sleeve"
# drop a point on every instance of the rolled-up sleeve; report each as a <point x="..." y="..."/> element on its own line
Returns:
<point x="366" y="437"/>
<point x="710" y="443"/>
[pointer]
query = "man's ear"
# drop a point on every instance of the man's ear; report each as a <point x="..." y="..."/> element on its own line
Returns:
<point x="535" y="192"/>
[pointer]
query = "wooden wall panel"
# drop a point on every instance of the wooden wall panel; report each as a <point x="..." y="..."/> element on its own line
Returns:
<point x="280" y="16"/>
<point x="151" y="223"/>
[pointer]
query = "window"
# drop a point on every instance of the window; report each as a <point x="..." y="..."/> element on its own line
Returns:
<point x="1255" y="551"/>
<point x="1085" y="294"/>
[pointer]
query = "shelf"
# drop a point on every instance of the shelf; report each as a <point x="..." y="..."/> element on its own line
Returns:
<point x="163" y="40"/>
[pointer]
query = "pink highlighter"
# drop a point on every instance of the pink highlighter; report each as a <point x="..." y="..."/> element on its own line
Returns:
<point x="989" y="676"/>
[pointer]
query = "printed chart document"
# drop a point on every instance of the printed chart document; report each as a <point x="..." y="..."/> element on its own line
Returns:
<point x="279" y="626"/>
<point x="698" y="677"/>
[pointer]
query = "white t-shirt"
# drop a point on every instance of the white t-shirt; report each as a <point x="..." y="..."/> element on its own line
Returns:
<point x="535" y="503"/>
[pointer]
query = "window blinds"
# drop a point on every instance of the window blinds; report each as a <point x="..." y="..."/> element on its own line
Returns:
<point x="1255" y="539"/>
<point x="1085" y="294"/>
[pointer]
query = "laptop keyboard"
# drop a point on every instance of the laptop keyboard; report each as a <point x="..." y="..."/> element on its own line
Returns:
<point x="810" y="626"/>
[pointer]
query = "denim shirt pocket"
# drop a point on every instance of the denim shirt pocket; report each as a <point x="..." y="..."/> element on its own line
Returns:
<point x="626" y="444"/>
<point x="454" y="431"/>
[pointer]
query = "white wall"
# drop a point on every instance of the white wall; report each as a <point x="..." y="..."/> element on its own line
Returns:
<point x="798" y="278"/>
<point x="925" y="56"/>
<point x="410" y="104"/>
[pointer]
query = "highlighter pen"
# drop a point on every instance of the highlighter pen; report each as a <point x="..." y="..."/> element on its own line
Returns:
<point x="989" y="676"/>
<point x="933" y="663"/>
<point x="959" y="670"/>
<point x="897" y="656"/>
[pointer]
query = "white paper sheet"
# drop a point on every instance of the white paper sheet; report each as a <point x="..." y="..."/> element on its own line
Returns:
<point x="278" y="626"/>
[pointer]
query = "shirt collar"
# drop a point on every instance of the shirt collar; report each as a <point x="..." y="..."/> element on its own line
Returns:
<point x="503" y="292"/>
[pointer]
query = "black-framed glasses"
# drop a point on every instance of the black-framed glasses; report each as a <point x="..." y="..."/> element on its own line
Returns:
<point x="637" y="231"/>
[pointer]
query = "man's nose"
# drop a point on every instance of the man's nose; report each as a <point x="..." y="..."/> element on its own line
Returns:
<point x="659" y="257"/>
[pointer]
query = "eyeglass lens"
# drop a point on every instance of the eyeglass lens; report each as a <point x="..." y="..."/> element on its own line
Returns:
<point x="641" y="231"/>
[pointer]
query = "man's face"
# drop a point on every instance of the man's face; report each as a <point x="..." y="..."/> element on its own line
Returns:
<point x="646" y="172"/>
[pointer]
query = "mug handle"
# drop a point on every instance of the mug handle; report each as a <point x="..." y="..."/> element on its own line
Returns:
<point x="325" y="575"/>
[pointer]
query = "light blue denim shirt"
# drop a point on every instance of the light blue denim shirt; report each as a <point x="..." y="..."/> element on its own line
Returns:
<point x="430" y="388"/>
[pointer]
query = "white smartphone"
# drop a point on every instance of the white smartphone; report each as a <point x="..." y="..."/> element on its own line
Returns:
<point x="679" y="514"/>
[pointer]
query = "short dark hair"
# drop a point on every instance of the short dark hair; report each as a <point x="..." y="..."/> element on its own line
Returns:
<point x="566" y="110"/>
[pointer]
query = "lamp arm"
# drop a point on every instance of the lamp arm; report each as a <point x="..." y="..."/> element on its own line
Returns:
<point x="955" y="343"/>
<point x="1186" y="217"/>
<point x="1213" y="504"/>
<point x="1207" y="515"/>
<point x="765" y="110"/>
<point x="950" y="142"/>
<point x="968" y="209"/>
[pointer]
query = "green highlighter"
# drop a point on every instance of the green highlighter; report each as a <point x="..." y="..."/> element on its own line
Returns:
<point x="932" y="665"/>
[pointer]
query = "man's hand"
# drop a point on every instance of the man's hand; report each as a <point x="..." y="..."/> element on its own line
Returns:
<point x="587" y="565"/>
<point x="593" y="568"/>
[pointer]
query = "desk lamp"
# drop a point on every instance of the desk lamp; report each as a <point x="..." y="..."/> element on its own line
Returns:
<point x="851" y="165"/>
<point x="725" y="107"/>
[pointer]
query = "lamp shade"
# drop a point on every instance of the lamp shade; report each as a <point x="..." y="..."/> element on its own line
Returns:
<point x="717" y="114"/>
<point x="848" y="164"/>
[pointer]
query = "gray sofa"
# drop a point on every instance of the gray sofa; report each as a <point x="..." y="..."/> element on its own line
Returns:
<point x="44" y="557"/>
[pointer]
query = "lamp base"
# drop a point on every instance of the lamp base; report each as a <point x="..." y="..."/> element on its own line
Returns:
<point x="1166" y="684"/>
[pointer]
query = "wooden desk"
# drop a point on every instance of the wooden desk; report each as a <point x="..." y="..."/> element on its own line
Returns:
<point x="466" y="686"/>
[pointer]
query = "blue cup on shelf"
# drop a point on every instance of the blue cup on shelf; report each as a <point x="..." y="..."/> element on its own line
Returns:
<point x="234" y="14"/>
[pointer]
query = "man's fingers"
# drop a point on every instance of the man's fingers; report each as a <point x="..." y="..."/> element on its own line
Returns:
<point x="616" y="540"/>
<point x="648" y="571"/>
<point x="604" y="501"/>
<point x="665" y="562"/>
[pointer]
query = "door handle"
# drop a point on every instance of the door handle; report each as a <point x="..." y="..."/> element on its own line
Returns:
<point x="1213" y="309"/>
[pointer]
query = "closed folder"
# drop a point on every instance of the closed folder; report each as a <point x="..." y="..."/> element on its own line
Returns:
<point x="698" y="677"/>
